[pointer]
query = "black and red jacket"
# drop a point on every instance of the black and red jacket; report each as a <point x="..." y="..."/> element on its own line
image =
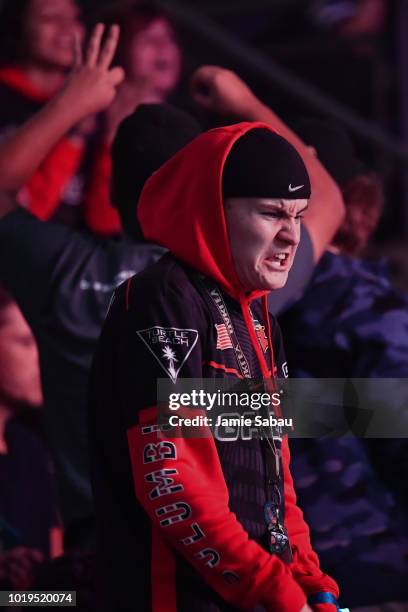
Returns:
<point x="70" y="185"/>
<point x="213" y="492"/>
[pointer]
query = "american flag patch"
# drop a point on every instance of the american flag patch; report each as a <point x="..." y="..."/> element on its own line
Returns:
<point x="223" y="338"/>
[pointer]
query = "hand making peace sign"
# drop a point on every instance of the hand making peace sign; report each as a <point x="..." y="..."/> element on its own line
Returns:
<point x="91" y="86"/>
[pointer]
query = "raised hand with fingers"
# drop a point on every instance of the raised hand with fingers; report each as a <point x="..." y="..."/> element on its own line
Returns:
<point x="92" y="85"/>
<point x="89" y="89"/>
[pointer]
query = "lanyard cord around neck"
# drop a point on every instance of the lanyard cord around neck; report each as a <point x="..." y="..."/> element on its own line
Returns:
<point x="276" y="534"/>
<point x="212" y="291"/>
<point x="272" y="458"/>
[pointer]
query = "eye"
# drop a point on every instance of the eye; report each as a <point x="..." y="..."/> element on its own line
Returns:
<point x="276" y="214"/>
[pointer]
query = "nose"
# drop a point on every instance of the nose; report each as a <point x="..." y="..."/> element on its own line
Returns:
<point x="69" y="24"/>
<point x="289" y="233"/>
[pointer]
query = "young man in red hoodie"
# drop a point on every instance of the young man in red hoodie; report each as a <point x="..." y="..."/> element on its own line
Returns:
<point x="204" y="524"/>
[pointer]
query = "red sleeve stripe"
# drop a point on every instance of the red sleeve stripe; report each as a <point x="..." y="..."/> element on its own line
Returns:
<point x="148" y="415"/>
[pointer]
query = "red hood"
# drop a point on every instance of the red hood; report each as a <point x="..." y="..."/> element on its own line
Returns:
<point x="16" y="79"/>
<point x="181" y="206"/>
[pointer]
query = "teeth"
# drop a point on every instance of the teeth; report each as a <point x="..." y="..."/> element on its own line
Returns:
<point x="280" y="256"/>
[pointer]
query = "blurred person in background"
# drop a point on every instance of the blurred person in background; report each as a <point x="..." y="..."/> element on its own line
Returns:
<point x="71" y="185"/>
<point x="151" y="57"/>
<point x="36" y="52"/>
<point x="62" y="279"/>
<point x="351" y="18"/>
<point x="351" y="323"/>
<point x="29" y="525"/>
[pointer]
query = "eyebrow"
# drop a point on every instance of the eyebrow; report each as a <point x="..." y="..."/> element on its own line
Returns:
<point x="281" y="206"/>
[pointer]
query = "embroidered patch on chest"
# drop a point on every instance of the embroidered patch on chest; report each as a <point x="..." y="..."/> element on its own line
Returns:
<point x="262" y="337"/>
<point x="170" y="346"/>
<point x="223" y="337"/>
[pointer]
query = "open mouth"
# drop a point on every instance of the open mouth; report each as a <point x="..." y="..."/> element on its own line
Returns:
<point x="279" y="259"/>
<point x="161" y="65"/>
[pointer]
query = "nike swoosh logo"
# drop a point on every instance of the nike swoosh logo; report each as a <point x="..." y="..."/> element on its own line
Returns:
<point x="291" y="189"/>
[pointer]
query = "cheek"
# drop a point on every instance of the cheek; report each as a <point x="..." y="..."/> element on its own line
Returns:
<point x="239" y="239"/>
<point x="252" y="237"/>
<point x="264" y="237"/>
<point x="140" y="59"/>
<point x="174" y="55"/>
<point x="20" y="376"/>
<point x="251" y="255"/>
<point x="245" y="241"/>
<point x="19" y="356"/>
<point x="12" y="370"/>
<point x="33" y="36"/>
<point x="41" y="39"/>
<point x="79" y="30"/>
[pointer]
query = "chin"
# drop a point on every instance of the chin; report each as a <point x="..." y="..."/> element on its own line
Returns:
<point x="268" y="285"/>
<point x="165" y="86"/>
<point x="277" y="283"/>
<point x="33" y="401"/>
<point x="65" y="60"/>
<point x="61" y="60"/>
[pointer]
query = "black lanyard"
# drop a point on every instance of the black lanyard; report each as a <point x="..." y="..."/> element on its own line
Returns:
<point x="277" y="537"/>
<point x="212" y="292"/>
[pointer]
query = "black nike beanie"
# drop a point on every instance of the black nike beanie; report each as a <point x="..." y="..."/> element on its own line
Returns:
<point x="262" y="164"/>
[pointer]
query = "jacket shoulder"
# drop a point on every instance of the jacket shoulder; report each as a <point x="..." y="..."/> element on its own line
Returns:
<point x="166" y="281"/>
